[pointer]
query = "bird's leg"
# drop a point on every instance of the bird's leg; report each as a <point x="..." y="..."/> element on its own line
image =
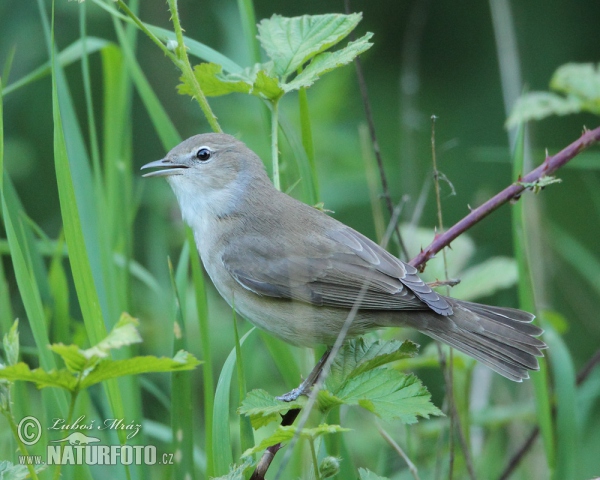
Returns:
<point x="306" y="386"/>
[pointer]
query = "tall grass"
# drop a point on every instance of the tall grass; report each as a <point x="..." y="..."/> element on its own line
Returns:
<point x="110" y="253"/>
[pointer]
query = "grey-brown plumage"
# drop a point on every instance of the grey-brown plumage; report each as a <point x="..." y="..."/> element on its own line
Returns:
<point x="296" y="272"/>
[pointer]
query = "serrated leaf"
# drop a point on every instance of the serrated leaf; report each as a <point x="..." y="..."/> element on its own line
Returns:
<point x="579" y="79"/>
<point x="361" y="355"/>
<point x="109" y="368"/>
<point x="54" y="378"/>
<point x="291" y="42"/>
<point x="213" y="82"/>
<point x="365" y="474"/>
<point x="486" y="278"/>
<point x="253" y="80"/>
<point x="8" y="471"/>
<point x="539" y="105"/>
<point x="284" y="434"/>
<point x="11" y="344"/>
<point x="389" y="394"/>
<point x="73" y="357"/>
<point x="327" y="400"/>
<point x="266" y="86"/>
<point x="263" y="408"/>
<point x="236" y="472"/>
<point x="327" y="61"/>
<point x="123" y="333"/>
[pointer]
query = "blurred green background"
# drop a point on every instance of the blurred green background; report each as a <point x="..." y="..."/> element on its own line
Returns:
<point x="429" y="58"/>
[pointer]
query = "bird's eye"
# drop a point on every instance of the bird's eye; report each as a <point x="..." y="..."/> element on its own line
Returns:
<point x="203" y="154"/>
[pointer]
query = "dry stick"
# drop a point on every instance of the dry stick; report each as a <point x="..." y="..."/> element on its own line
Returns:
<point x="369" y="115"/>
<point x="548" y="166"/>
<point x="528" y="443"/>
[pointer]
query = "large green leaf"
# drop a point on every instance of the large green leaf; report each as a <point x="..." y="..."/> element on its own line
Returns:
<point x="327" y="61"/>
<point x="291" y="42"/>
<point x="389" y="394"/>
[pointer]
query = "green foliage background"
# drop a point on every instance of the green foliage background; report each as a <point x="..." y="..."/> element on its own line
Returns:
<point x="428" y="58"/>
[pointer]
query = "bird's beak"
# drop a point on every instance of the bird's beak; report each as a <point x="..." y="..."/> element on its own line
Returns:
<point x="166" y="167"/>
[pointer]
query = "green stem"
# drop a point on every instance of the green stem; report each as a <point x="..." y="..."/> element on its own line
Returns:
<point x="186" y="68"/>
<point x="150" y="35"/>
<point x="274" y="142"/>
<point x="315" y="463"/>
<point x="307" y="140"/>
<point x="69" y="418"/>
<point x="13" y="426"/>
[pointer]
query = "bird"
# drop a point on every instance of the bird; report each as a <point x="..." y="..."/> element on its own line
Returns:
<point x="296" y="272"/>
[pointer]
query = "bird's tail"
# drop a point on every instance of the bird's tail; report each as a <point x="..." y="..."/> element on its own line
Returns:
<point x="504" y="339"/>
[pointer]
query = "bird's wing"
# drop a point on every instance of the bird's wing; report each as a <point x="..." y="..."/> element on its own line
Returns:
<point x="334" y="269"/>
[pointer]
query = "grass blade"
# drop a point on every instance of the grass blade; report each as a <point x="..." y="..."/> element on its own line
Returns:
<point x="205" y="339"/>
<point x="567" y="433"/>
<point x="222" y="456"/>
<point x="527" y="302"/>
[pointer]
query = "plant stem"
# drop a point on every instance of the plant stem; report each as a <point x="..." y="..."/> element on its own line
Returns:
<point x="313" y="455"/>
<point x="13" y="426"/>
<point x="512" y="192"/>
<point x="150" y="35"/>
<point x="307" y="140"/>
<point x="274" y="142"/>
<point x="185" y="67"/>
<point x="74" y="395"/>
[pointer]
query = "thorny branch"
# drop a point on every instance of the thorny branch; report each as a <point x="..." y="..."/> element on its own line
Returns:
<point x="513" y="192"/>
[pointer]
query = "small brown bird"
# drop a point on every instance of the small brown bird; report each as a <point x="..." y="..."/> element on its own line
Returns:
<point x="296" y="272"/>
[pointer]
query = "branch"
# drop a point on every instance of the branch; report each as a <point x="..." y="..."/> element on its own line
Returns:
<point x="513" y="192"/>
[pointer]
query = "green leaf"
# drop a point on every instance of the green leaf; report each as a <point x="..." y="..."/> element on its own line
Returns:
<point x="579" y="82"/>
<point x="266" y="86"/>
<point x="327" y="61"/>
<point x="579" y="79"/>
<point x="361" y="355"/>
<point x="389" y="394"/>
<point x="284" y="434"/>
<point x="104" y="370"/>
<point x="365" y="474"/>
<point x="486" y="278"/>
<point x="73" y="357"/>
<point x="11" y="344"/>
<point x="213" y="82"/>
<point x="263" y="408"/>
<point x="237" y="472"/>
<point x="539" y="105"/>
<point x="77" y="360"/>
<point x="123" y="333"/>
<point x="8" y="471"/>
<point x="108" y="368"/>
<point x="54" y="378"/>
<point x="291" y="42"/>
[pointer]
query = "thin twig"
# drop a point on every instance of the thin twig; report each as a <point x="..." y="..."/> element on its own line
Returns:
<point x="512" y="192"/>
<point x="514" y="461"/>
<point x="369" y="115"/>
<point x="395" y="446"/>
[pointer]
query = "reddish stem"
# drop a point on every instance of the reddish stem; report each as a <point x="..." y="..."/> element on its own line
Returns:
<point x="548" y="166"/>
